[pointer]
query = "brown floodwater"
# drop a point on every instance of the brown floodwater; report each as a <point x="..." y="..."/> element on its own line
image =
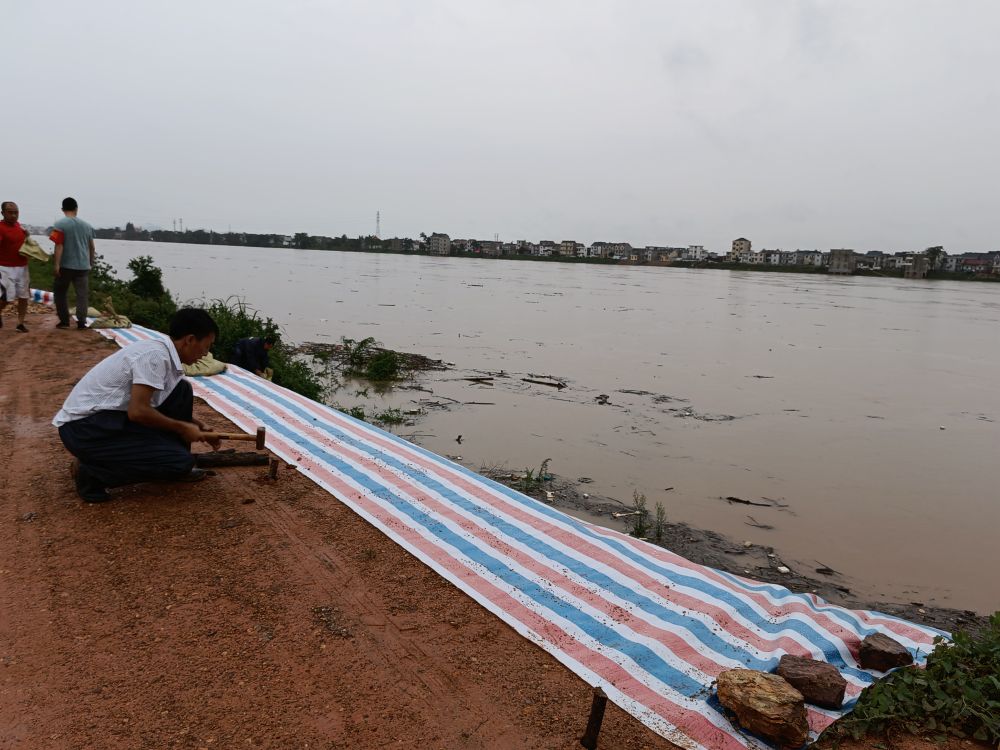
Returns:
<point x="868" y="406"/>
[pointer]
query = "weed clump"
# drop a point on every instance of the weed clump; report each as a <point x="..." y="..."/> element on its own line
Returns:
<point x="659" y="522"/>
<point x="958" y="693"/>
<point x="638" y="520"/>
<point x="533" y="481"/>
<point x="383" y="366"/>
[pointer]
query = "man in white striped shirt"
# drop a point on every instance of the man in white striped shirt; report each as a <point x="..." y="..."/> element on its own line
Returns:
<point x="130" y="418"/>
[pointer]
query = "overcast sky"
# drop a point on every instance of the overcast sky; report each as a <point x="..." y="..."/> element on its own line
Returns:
<point x="870" y="124"/>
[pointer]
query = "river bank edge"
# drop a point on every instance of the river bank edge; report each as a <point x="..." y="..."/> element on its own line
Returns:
<point x="754" y="561"/>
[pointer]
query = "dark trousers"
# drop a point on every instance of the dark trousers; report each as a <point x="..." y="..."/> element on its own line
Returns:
<point x="60" y="293"/>
<point x="115" y="451"/>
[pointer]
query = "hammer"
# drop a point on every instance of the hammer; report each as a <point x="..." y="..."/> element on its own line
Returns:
<point x="258" y="438"/>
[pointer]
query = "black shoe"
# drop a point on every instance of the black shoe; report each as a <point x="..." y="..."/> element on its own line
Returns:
<point x="82" y="326"/>
<point x="62" y="325"/>
<point x="86" y="487"/>
<point x="195" y="475"/>
<point x="21" y="328"/>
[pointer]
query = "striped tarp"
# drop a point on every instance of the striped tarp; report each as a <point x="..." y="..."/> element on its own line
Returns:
<point x="41" y="296"/>
<point x="649" y="627"/>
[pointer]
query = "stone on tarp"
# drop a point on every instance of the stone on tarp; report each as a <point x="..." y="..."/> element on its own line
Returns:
<point x="882" y="653"/>
<point x="766" y="705"/>
<point x="820" y="683"/>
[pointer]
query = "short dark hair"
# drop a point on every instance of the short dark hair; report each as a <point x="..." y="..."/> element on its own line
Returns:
<point x="270" y="340"/>
<point x="3" y="206"/>
<point x="69" y="204"/>
<point x="192" y="321"/>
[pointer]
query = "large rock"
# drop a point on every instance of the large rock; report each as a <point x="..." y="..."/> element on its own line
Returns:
<point x="766" y="705"/>
<point x="820" y="683"/>
<point x="882" y="653"/>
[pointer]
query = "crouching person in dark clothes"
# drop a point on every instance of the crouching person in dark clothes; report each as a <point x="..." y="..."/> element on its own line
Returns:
<point x="130" y="419"/>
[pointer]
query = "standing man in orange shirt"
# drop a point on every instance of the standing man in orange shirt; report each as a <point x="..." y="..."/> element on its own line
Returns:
<point x="14" y="279"/>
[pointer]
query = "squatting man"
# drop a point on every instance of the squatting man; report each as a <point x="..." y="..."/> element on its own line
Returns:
<point x="130" y="418"/>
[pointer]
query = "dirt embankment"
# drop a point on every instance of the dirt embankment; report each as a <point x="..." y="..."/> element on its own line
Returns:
<point x="237" y="613"/>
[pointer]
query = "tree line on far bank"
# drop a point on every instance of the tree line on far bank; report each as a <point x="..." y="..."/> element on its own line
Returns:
<point x="373" y="244"/>
<point x="301" y="240"/>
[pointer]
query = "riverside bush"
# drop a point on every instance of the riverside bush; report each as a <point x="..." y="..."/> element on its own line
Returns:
<point x="364" y="359"/>
<point x="958" y="693"/>
<point x="145" y="301"/>
<point x="143" y="298"/>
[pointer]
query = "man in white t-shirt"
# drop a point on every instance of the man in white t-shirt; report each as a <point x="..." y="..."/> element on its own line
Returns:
<point x="130" y="419"/>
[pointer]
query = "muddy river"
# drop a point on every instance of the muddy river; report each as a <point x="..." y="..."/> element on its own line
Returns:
<point x="868" y="407"/>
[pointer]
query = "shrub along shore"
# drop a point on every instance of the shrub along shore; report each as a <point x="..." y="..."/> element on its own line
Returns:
<point x="146" y="302"/>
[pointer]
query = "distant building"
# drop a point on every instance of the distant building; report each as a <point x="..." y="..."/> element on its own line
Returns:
<point x="842" y="261"/>
<point x="490" y="248"/>
<point x="918" y="268"/>
<point x="656" y="254"/>
<point x="740" y="252"/>
<point x="526" y="248"/>
<point x="871" y="261"/>
<point x="978" y="263"/>
<point x="439" y="244"/>
<point x="599" y="250"/>
<point x="567" y="249"/>
<point x="695" y="252"/>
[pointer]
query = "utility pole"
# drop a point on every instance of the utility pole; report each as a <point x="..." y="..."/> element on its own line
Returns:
<point x="378" y="224"/>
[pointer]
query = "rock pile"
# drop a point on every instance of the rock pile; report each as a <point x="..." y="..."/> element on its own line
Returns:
<point x="772" y="706"/>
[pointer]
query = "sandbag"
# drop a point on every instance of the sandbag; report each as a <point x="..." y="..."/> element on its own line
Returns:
<point x="109" y="321"/>
<point x="31" y="249"/>
<point x="207" y="365"/>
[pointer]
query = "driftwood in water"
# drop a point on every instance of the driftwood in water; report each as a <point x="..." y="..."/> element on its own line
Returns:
<point x="215" y="459"/>
<point x="733" y="499"/>
<point x="485" y="380"/>
<point x="757" y="525"/>
<point x="559" y="385"/>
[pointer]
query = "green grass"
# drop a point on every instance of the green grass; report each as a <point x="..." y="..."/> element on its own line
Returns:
<point x="957" y="694"/>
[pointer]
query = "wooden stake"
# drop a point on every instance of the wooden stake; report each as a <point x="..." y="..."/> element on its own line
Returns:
<point x="597" y="706"/>
<point x="272" y="470"/>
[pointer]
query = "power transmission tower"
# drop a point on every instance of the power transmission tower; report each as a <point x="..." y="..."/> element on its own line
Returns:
<point x="378" y="224"/>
